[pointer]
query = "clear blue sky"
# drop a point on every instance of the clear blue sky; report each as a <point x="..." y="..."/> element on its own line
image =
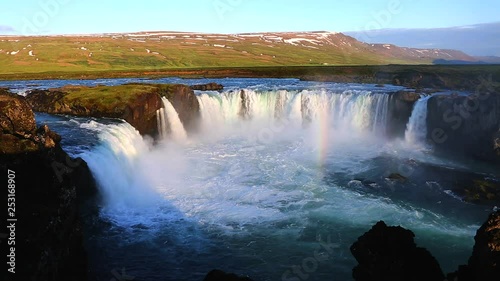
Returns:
<point x="28" y="17"/>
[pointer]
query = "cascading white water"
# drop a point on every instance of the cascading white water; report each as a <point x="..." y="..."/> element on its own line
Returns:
<point x="161" y="123"/>
<point x="416" y="129"/>
<point x="169" y="123"/>
<point x="358" y="110"/>
<point x="171" y="199"/>
<point x="115" y="167"/>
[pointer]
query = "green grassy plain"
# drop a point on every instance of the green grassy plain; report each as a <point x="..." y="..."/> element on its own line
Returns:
<point x="38" y="55"/>
<point x="325" y="57"/>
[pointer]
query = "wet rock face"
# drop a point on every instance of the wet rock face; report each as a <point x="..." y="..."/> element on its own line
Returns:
<point x="219" y="275"/>
<point x="400" y="109"/>
<point x="139" y="110"/>
<point x="141" y="114"/>
<point x="466" y="125"/>
<point x="390" y="254"/>
<point x="208" y="87"/>
<point x="16" y="115"/>
<point x="496" y="143"/>
<point x="186" y="104"/>
<point x="18" y="128"/>
<point x="47" y="183"/>
<point x="484" y="263"/>
<point x="51" y="102"/>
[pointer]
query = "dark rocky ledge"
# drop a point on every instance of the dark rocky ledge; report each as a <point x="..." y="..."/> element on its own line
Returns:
<point x="390" y="254"/>
<point x="135" y="103"/>
<point x="49" y="187"/>
<point x="484" y="264"/>
<point x="400" y="109"/>
<point x="208" y="87"/>
<point x="466" y="125"/>
<point x="219" y="275"/>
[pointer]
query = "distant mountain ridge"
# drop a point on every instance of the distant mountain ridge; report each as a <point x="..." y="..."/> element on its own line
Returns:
<point x="482" y="40"/>
<point x="161" y="50"/>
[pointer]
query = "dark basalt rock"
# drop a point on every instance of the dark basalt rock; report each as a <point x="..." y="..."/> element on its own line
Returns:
<point x="466" y="125"/>
<point x="397" y="177"/>
<point x="412" y="79"/>
<point x="390" y="254"/>
<point x="484" y="264"/>
<point x="219" y="275"/>
<point x="48" y="189"/>
<point x="481" y="191"/>
<point x="18" y="128"/>
<point x="139" y="110"/>
<point x="140" y="113"/>
<point x="208" y="87"/>
<point x="186" y="104"/>
<point x="400" y="108"/>
<point x="496" y="143"/>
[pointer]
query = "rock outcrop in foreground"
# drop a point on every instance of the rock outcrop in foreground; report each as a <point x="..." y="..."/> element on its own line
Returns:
<point x="389" y="253"/>
<point x="484" y="264"/>
<point x="48" y="183"/>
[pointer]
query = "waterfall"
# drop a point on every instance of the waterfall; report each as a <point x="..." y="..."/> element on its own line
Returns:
<point x="358" y="110"/>
<point x="169" y="123"/>
<point x="114" y="164"/>
<point x="161" y="123"/>
<point x="416" y="129"/>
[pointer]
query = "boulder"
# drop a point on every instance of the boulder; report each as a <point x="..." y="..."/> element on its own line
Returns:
<point x="18" y="128"/>
<point x="390" y="254"/>
<point x="397" y="177"/>
<point x="16" y="115"/>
